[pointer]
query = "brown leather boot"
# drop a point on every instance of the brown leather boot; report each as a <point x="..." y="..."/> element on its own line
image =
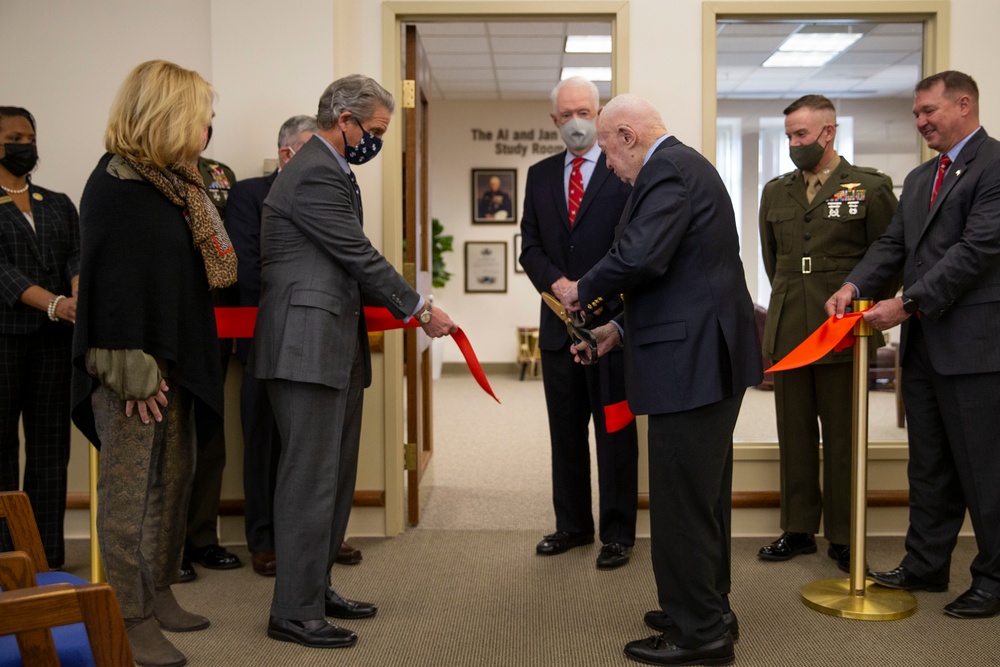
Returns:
<point x="149" y="647"/>
<point x="172" y="616"/>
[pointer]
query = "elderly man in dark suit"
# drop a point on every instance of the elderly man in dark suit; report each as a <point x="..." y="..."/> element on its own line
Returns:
<point x="691" y="350"/>
<point x="311" y="350"/>
<point x="945" y="236"/>
<point x="571" y="206"/>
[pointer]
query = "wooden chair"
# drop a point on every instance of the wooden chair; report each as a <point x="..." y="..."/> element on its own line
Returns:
<point x="21" y="572"/>
<point x="29" y="614"/>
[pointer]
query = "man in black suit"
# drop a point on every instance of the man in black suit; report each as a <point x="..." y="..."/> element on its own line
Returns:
<point x="571" y="206"/>
<point x="691" y="350"/>
<point x="945" y="237"/>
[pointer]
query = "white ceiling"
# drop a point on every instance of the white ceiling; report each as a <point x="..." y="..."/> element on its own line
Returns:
<point x="498" y="60"/>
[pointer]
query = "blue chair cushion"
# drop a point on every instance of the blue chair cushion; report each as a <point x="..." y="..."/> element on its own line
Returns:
<point x="71" y="640"/>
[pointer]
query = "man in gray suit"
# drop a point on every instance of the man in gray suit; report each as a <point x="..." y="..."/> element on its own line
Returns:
<point x="311" y="349"/>
<point x="946" y="238"/>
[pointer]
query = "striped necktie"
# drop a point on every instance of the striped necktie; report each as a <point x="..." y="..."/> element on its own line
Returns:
<point x="575" y="189"/>
<point x="942" y="170"/>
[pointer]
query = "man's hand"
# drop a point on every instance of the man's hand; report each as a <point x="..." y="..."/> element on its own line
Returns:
<point x="886" y="314"/>
<point x="567" y="294"/>
<point x="440" y="324"/>
<point x="607" y="336"/>
<point x="150" y="405"/>
<point x="841" y="299"/>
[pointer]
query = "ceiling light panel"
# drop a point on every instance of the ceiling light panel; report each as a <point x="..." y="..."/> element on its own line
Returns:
<point x="588" y="44"/>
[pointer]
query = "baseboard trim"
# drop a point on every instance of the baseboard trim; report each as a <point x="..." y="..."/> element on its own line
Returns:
<point x="375" y="498"/>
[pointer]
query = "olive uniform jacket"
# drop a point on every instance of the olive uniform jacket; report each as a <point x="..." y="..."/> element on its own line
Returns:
<point x="809" y="248"/>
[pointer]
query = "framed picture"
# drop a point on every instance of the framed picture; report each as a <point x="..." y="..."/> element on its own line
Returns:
<point x="485" y="266"/>
<point x="517" y="254"/>
<point x="494" y="196"/>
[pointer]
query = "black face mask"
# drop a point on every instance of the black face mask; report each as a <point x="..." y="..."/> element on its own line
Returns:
<point x="19" y="159"/>
<point x="367" y="148"/>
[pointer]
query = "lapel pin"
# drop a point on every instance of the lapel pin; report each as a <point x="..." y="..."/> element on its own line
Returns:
<point x="958" y="172"/>
<point x="37" y="196"/>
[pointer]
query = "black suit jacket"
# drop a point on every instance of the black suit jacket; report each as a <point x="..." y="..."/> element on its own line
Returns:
<point x="950" y="256"/>
<point x="690" y="337"/>
<point x="244" y="211"/>
<point x="551" y="248"/>
<point x="48" y="257"/>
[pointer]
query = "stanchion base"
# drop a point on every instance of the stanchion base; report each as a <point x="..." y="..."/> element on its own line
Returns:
<point x="835" y="597"/>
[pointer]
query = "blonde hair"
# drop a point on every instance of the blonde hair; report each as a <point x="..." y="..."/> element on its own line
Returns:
<point x="160" y="114"/>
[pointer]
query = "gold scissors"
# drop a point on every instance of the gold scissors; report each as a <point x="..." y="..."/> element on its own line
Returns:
<point x="576" y="325"/>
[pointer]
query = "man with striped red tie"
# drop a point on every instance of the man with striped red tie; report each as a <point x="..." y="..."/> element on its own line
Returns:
<point x="571" y="207"/>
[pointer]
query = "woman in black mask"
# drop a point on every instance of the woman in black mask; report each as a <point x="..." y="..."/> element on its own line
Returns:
<point x="39" y="272"/>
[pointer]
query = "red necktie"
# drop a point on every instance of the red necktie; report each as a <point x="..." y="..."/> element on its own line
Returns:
<point x="575" y="189"/>
<point x="942" y="168"/>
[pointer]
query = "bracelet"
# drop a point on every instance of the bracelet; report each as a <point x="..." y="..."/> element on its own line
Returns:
<point x="53" y="302"/>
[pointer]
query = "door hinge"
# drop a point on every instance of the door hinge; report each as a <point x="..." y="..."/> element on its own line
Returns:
<point x="410" y="456"/>
<point x="409" y="93"/>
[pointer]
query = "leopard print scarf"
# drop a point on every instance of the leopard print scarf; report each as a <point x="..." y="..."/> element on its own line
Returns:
<point x="182" y="185"/>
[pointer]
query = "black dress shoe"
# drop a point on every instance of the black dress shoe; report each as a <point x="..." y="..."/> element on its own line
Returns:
<point x="657" y="650"/>
<point x="788" y="546"/>
<point x="316" y="634"/>
<point x="560" y="542"/>
<point x="348" y="555"/>
<point x="903" y="579"/>
<point x="613" y="555"/>
<point x="659" y="621"/>
<point x="187" y="572"/>
<point x="340" y="607"/>
<point x="974" y="603"/>
<point x="215" y="557"/>
<point x="842" y="554"/>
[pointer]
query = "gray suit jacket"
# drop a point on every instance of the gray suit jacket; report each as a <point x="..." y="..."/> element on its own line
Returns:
<point x="950" y="256"/>
<point x="316" y="263"/>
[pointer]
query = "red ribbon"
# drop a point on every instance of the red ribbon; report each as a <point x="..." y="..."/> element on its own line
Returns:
<point x="835" y="334"/>
<point x="617" y="416"/>
<point x="240" y="322"/>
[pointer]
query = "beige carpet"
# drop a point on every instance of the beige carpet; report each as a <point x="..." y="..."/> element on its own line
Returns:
<point x="482" y="598"/>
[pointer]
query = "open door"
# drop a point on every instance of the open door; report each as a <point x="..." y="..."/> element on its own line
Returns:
<point x="417" y="266"/>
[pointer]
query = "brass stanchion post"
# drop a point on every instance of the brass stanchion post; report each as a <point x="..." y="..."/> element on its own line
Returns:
<point x="96" y="566"/>
<point x="857" y="597"/>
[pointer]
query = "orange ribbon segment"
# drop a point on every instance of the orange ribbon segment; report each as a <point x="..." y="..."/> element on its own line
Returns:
<point x="834" y="334"/>
<point x="240" y="322"/>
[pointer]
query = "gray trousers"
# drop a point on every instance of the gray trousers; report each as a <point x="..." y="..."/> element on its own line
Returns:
<point x="142" y="495"/>
<point x="320" y="431"/>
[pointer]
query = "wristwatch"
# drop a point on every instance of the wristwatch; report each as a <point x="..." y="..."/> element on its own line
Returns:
<point x="424" y="316"/>
<point x="909" y="305"/>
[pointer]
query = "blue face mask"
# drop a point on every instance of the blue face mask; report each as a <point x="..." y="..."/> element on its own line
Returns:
<point x="367" y="148"/>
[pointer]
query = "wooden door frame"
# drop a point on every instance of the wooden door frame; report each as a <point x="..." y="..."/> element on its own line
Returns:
<point x="934" y="14"/>
<point x="394" y="15"/>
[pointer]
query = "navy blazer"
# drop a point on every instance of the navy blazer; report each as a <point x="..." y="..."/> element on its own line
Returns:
<point x="689" y="332"/>
<point x="48" y="257"/>
<point x="950" y="256"/>
<point x="551" y="248"/>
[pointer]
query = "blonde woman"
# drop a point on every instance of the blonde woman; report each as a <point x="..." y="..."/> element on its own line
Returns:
<point x="148" y="382"/>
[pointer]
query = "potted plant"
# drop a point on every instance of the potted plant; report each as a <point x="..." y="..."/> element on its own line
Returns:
<point x="440" y="244"/>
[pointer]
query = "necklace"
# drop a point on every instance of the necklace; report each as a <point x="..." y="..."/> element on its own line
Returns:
<point x="12" y="191"/>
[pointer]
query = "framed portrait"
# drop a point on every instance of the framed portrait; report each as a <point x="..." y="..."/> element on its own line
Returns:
<point x="494" y="196"/>
<point x="486" y="266"/>
<point x="517" y="254"/>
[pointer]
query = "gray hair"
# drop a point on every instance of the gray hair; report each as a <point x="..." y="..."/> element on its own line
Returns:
<point x="358" y="94"/>
<point x="293" y="127"/>
<point x="576" y="81"/>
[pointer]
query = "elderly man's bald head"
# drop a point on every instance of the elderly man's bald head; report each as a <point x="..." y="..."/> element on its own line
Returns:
<point x="627" y="128"/>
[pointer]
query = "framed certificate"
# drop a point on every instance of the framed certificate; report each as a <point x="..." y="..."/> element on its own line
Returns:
<point x="517" y="254"/>
<point x="486" y="266"/>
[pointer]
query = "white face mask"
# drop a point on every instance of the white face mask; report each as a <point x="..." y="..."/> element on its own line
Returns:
<point x="578" y="133"/>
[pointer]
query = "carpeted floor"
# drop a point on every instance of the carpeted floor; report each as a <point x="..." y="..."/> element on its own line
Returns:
<point x="482" y="598"/>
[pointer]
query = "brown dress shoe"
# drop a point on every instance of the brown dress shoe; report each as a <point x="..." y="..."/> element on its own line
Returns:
<point x="348" y="555"/>
<point x="264" y="563"/>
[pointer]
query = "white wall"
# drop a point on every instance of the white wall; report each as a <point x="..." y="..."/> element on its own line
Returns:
<point x="490" y="319"/>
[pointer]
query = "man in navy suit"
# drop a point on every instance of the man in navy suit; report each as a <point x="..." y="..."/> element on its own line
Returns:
<point x="261" y="444"/>
<point x="945" y="236"/>
<point x="563" y="235"/>
<point x="691" y="350"/>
